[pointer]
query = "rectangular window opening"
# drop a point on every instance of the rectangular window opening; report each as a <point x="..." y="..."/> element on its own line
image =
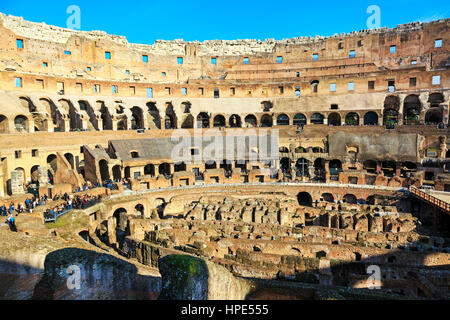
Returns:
<point x="333" y="87"/>
<point x="436" y="80"/>
<point x="19" y="43"/>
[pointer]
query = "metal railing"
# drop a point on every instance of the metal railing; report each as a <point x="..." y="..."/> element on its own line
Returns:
<point x="56" y="216"/>
<point x="430" y="199"/>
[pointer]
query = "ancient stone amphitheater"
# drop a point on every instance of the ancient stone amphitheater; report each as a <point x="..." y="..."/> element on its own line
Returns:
<point x="329" y="180"/>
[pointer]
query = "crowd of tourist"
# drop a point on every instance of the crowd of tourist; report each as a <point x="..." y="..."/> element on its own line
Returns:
<point x="71" y="202"/>
<point x="67" y="203"/>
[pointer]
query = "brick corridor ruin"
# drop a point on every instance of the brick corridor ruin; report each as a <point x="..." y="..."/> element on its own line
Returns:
<point x="360" y="125"/>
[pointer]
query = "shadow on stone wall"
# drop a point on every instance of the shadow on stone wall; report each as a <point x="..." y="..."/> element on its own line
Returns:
<point x="101" y="277"/>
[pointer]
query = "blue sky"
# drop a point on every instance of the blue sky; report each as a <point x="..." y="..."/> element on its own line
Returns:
<point x="146" y="21"/>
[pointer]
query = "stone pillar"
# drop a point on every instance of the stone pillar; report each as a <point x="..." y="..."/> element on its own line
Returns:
<point x="400" y="119"/>
<point x="11" y="126"/>
<point x="42" y="175"/>
<point x="99" y="124"/>
<point x="114" y="124"/>
<point x="162" y="116"/>
<point x="66" y="125"/>
<point x="17" y="182"/>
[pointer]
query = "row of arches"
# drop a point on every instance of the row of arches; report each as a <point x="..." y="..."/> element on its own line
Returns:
<point x="305" y="199"/>
<point x="138" y="118"/>
<point x="412" y="110"/>
<point x="21" y="124"/>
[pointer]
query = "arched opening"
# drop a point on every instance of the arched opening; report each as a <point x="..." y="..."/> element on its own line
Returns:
<point x="3" y="124"/>
<point x="117" y="173"/>
<point x="300" y="150"/>
<point x="164" y="169"/>
<point x="285" y="165"/>
<point x="411" y="110"/>
<point x="335" y="167"/>
<point x="391" y="109"/>
<point x="52" y="166"/>
<point x="407" y="169"/>
<point x="127" y="172"/>
<point x="334" y="222"/>
<point x="319" y="169"/>
<point x="370" y="166"/>
<point x="266" y="121"/>
<point x="251" y="121"/>
<point x="352" y="119"/>
<point x="388" y="168"/>
<point x="104" y="170"/>
<point x="350" y="199"/>
<point x="105" y="116"/>
<point x="34" y="174"/>
<point x="188" y="122"/>
<point x="39" y="120"/>
<point x="390" y="118"/>
<point x="302" y="167"/>
<point x="315" y="86"/>
<point x="149" y="170"/>
<point x="371" y="119"/>
<point x="139" y="210"/>
<point x="155" y="118"/>
<point x="76" y="122"/>
<point x="317" y="118"/>
<point x="122" y="119"/>
<point x="203" y="120"/>
<point x="93" y="121"/>
<point x="235" y="121"/>
<point x="328" y="197"/>
<point x="433" y="116"/>
<point x="283" y="120"/>
<point x="21" y="124"/>
<point x="137" y="118"/>
<point x="370" y="200"/>
<point x="219" y="121"/>
<point x="304" y="199"/>
<point x="180" y="167"/>
<point x="284" y="150"/>
<point x="334" y="119"/>
<point x="299" y="119"/>
<point x="120" y="215"/>
<point x="57" y="118"/>
<point x="170" y="122"/>
<point x="70" y="159"/>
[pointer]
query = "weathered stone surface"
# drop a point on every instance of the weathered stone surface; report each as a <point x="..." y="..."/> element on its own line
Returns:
<point x="190" y="278"/>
